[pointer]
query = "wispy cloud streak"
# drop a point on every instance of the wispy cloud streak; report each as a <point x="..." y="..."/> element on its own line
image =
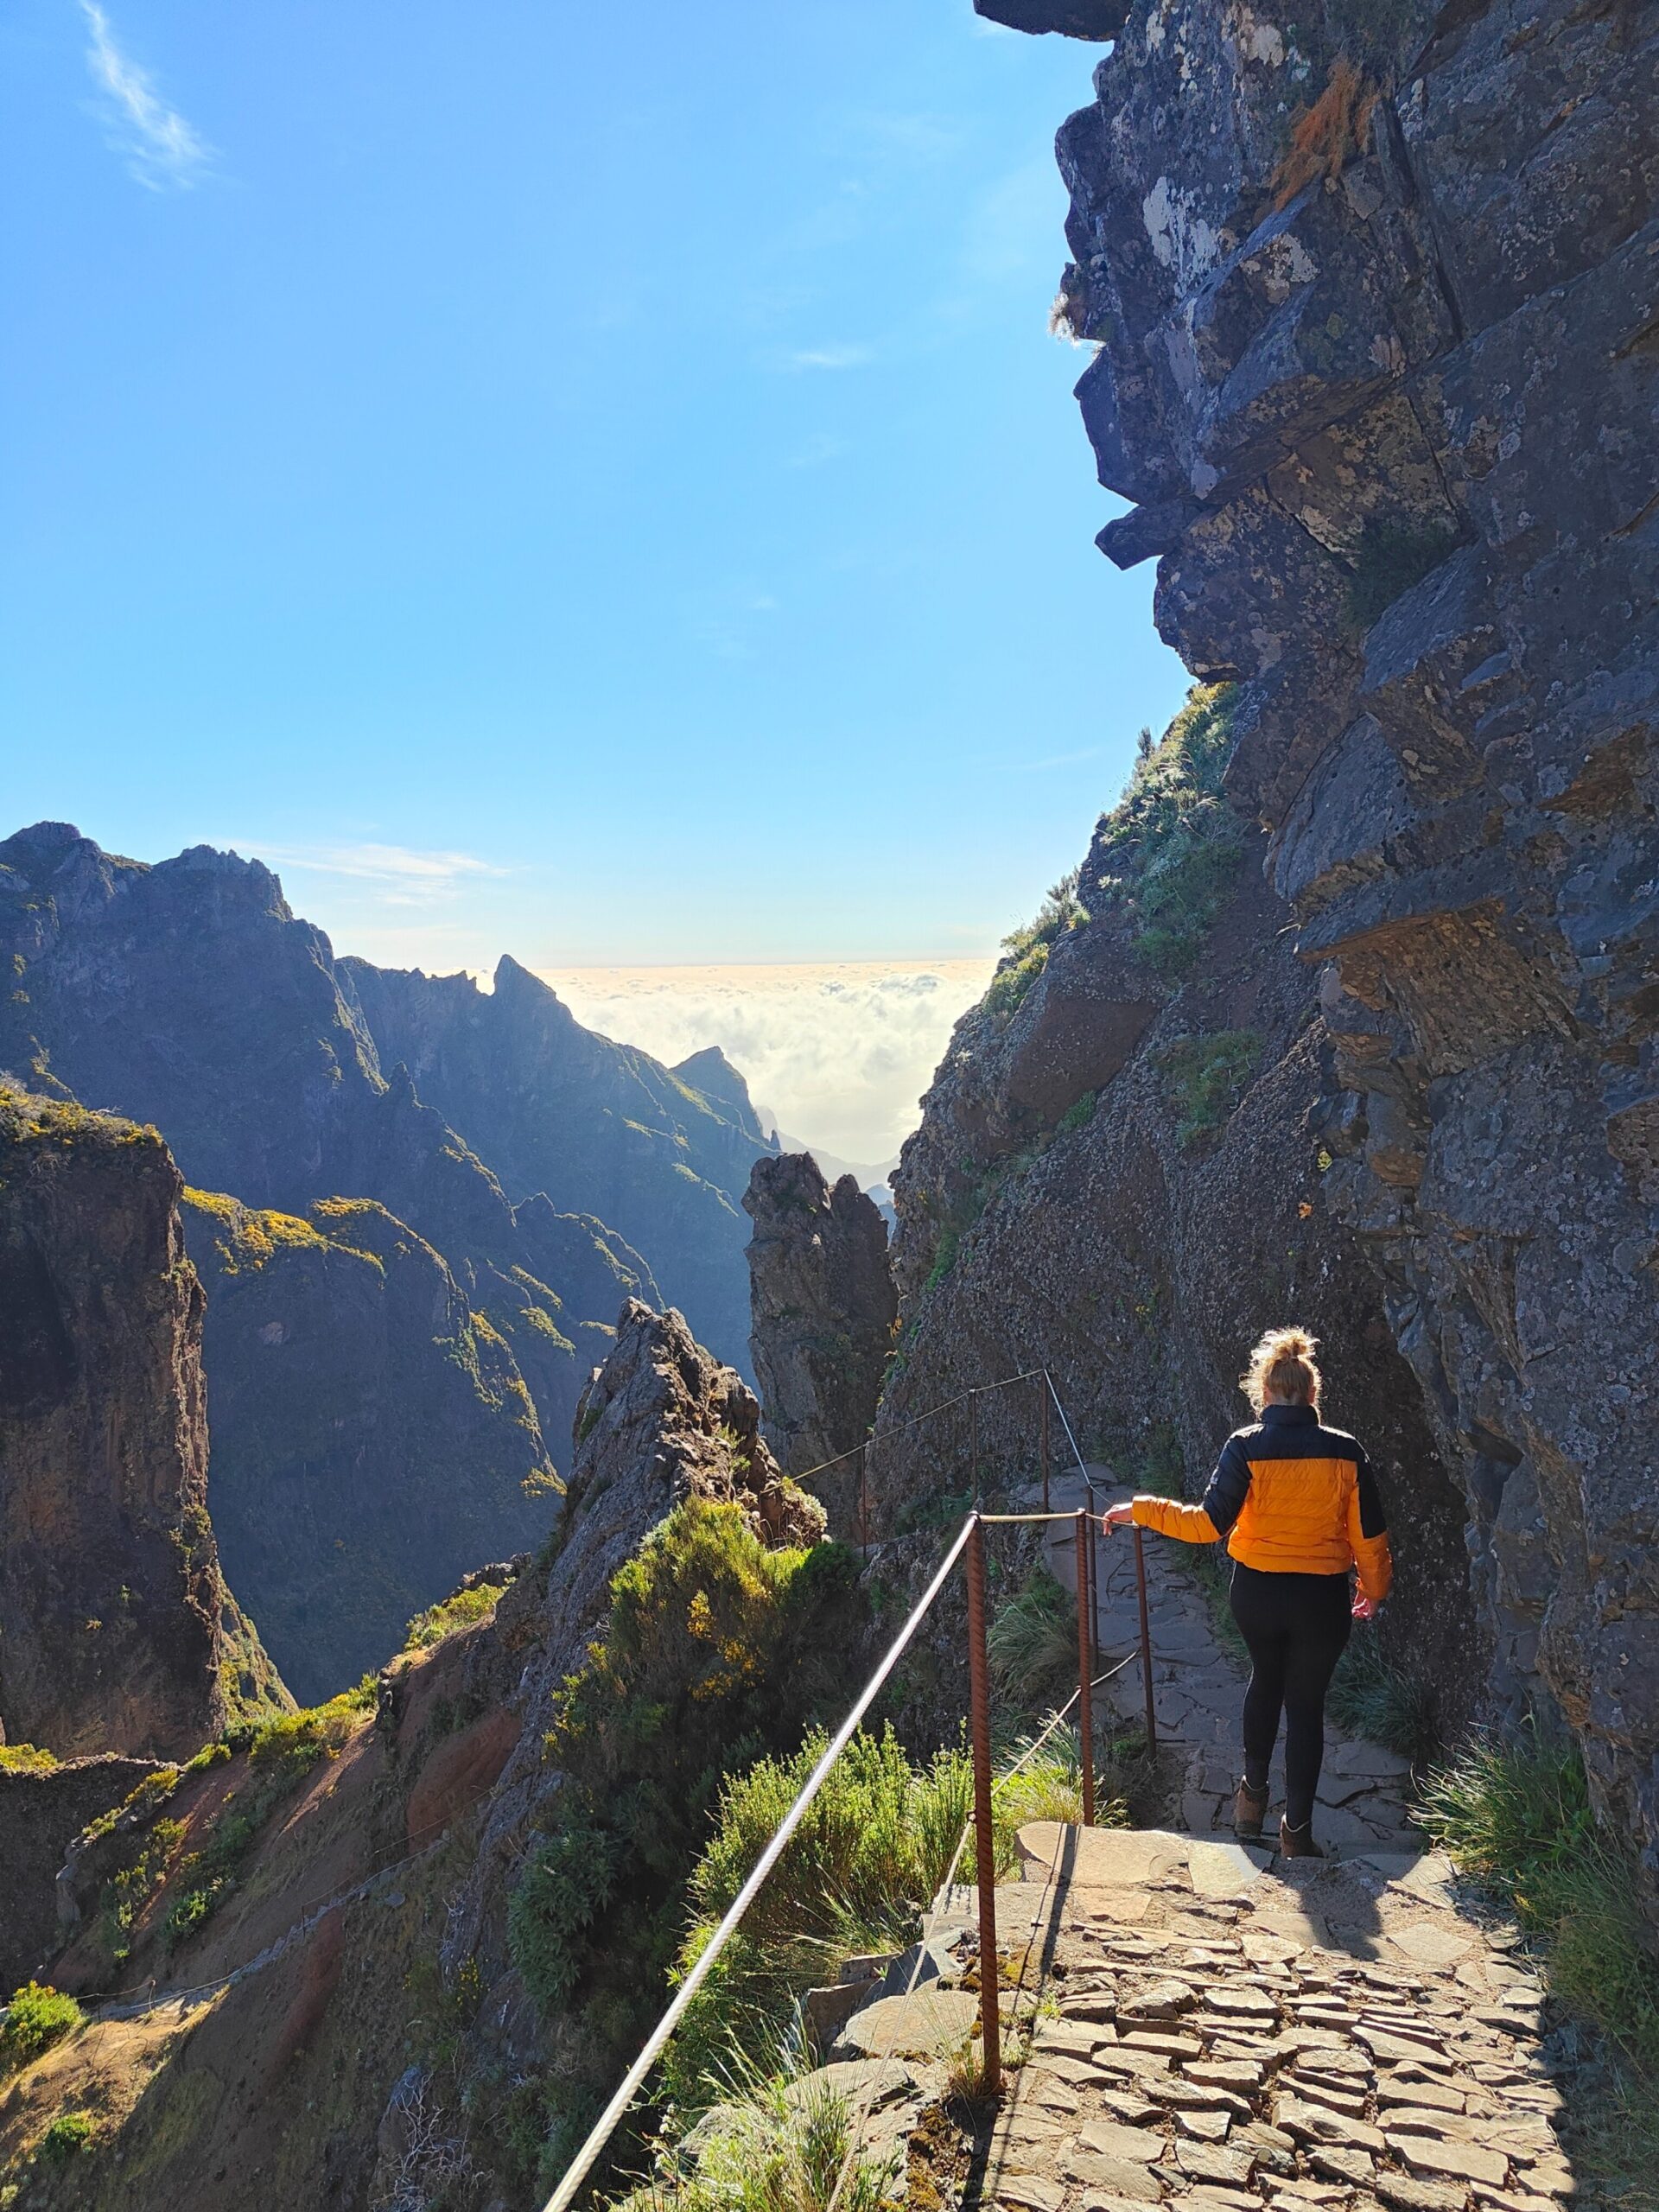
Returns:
<point x="828" y="357"/>
<point x="402" y="875"/>
<point x="161" y="149"/>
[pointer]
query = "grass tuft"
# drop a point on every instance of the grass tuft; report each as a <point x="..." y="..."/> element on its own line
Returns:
<point x="463" y="1610"/>
<point x="1204" y="1079"/>
<point x="1026" y="950"/>
<point x="780" y="2140"/>
<point x="1371" y="1697"/>
<point x="1033" y="1641"/>
<point x="1516" y="1816"/>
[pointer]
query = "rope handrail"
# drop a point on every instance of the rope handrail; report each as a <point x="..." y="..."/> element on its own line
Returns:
<point x="564" y="2194"/>
<point x="968" y="1539"/>
<point x="914" y="1421"/>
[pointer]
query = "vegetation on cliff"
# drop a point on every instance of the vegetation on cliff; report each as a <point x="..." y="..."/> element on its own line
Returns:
<point x="1172" y="847"/>
<point x="717" y="1651"/>
<point x="1026" y="950"/>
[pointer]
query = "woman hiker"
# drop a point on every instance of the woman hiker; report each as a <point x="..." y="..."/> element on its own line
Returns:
<point x="1298" y="1507"/>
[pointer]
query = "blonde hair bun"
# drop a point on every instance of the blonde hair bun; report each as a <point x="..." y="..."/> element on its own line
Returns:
<point x="1282" y="1366"/>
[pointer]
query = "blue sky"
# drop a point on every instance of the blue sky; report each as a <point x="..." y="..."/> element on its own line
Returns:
<point x="593" y="481"/>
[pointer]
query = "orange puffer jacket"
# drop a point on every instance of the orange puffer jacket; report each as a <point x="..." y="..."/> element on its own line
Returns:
<point x="1291" y="1497"/>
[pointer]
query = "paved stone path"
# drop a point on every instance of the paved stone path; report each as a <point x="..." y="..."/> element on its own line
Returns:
<point x="1198" y="1689"/>
<point x="1312" y="2037"/>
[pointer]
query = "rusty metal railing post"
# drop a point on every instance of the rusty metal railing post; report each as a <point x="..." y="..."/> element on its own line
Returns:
<point x="863" y="1506"/>
<point x="984" y="1838"/>
<point x="1042" y="1396"/>
<point x="973" y="1432"/>
<point x="1146" y="1639"/>
<point x="1085" y="1671"/>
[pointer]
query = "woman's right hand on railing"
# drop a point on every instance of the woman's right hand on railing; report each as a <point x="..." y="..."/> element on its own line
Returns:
<point x="1117" y="1516"/>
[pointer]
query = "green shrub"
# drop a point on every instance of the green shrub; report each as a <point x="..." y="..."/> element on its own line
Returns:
<point x="71" y="2132"/>
<point x="1172" y="845"/>
<point x="26" y="1758"/>
<point x="37" y="2016"/>
<point x="562" y="1892"/>
<point x="295" y="1741"/>
<point x="461" y="1611"/>
<point x="127" y="1893"/>
<point x="1516" y="1816"/>
<point x="1032" y="1640"/>
<point x="1371" y="1697"/>
<point x="1204" y="1078"/>
<point x="1392" y="557"/>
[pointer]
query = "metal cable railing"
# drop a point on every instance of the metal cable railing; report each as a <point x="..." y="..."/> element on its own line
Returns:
<point x="968" y="1545"/>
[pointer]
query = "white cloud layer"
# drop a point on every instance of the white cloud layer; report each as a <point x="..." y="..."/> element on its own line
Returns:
<point x="161" y="148"/>
<point x="839" y="1052"/>
<point x="401" y="875"/>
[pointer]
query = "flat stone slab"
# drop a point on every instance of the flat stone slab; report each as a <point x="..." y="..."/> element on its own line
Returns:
<point x="1123" y="2178"/>
<point x="1220" y="1870"/>
<point x="1435" y="1944"/>
<point x="927" y="2025"/>
<point x="1030" y="2192"/>
<point x="1115" y="1859"/>
<point x="1113" y="2138"/>
<point x="1466" y="2161"/>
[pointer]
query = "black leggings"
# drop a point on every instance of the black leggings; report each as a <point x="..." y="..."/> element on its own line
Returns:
<point x="1296" y="1626"/>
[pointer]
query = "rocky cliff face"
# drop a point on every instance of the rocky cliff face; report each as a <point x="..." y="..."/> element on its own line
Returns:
<point x="1119" y="1176"/>
<point x="116" y="1632"/>
<point x="373" y="1436"/>
<point x="822" y="1309"/>
<point x="1373" y="301"/>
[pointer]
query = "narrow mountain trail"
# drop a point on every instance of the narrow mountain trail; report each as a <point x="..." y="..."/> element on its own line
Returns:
<point x="1198" y="1688"/>
<point x="1193" y="2024"/>
<point x="1214" y="2033"/>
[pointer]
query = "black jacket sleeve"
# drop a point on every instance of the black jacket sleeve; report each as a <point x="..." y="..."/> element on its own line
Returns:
<point x="1228" y="1486"/>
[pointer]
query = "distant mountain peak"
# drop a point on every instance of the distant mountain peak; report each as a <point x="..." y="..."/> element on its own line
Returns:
<point x="511" y="974"/>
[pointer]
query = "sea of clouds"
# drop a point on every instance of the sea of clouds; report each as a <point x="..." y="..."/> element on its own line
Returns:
<point x="838" y="1054"/>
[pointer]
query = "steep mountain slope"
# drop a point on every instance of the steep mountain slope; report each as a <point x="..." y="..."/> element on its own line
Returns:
<point x="117" y="1631"/>
<point x="600" y="1128"/>
<point x="392" y="2027"/>
<point x="372" y="1435"/>
<point x="189" y="995"/>
<point x="1372" y="298"/>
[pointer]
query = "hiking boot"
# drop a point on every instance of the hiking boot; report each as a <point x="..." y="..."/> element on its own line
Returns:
<point x="1249" y="1810"/>
<point x="1297" y="1843"/>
